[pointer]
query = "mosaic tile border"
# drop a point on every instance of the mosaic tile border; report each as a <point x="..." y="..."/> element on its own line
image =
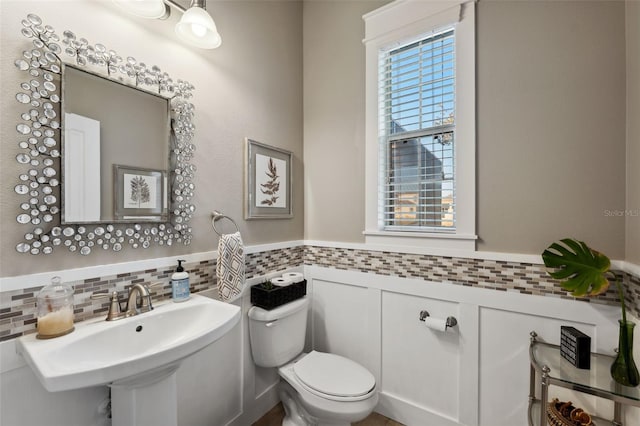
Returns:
<point x="18" y="308"/>
<point x="262" y="263"/>
<point x="525" y="278"/>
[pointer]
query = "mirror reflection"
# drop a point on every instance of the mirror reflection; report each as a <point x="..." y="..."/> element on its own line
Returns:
<point x="115" y="151"/>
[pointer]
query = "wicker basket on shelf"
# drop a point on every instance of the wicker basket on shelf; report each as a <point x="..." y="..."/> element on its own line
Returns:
<point x="565" y="414"/>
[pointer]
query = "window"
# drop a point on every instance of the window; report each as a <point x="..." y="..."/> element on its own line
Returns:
<point x="420" y="124"/>
<point x="417" y="108"/>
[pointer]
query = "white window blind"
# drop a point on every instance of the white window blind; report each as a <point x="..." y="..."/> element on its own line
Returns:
<point x="417" y="135"/>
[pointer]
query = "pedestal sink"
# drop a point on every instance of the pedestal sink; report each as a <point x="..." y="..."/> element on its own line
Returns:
<point x="137" y="356"/>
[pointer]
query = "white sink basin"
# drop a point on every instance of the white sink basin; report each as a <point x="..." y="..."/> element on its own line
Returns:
<point x="130" y="350"/>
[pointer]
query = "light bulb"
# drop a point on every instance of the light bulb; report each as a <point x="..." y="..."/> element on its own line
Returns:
<point x="198" y="30"/>
<point x="196" y="27"/>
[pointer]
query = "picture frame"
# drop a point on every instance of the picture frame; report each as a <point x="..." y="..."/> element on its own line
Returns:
<point x="140" y="194"/>
<point x="268" y="181"/>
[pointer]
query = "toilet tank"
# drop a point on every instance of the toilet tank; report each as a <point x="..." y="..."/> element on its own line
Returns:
<point x="277" y="336"/>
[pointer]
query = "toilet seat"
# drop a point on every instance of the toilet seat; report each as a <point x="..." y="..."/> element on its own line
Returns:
<point x="334" y="377"/>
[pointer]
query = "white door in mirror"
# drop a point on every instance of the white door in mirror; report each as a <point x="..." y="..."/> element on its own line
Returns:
<point x="81" y="169"/>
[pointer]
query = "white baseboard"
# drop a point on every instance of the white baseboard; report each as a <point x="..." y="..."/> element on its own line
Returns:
<point x="410" y="414"/>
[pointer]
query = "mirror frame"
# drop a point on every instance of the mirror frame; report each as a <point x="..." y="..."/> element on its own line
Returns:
<point x="40" y="132"/>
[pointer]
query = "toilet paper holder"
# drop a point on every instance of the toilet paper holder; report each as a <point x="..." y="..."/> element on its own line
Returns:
<point x="451" y="321"/>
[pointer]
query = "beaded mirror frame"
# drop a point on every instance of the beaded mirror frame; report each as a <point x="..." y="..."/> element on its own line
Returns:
<point x="40" y="132"/>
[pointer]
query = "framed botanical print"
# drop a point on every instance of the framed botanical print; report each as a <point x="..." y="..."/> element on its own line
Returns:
<point x="140" y="194"/>
<point x="267" y="181"/>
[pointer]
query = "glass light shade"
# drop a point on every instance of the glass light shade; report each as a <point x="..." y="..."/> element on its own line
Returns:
<point x="198" y="29"/>
<point x="151" y="9"/>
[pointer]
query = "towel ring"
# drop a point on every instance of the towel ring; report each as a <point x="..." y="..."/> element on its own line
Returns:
<point x="216" y="216"/>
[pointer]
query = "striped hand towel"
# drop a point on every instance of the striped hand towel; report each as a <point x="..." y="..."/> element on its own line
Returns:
<point x="230" y="266"/>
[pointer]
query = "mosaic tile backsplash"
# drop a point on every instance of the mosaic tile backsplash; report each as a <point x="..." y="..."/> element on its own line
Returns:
<point x="18" y="308"/>
<point x="525" y="278"/>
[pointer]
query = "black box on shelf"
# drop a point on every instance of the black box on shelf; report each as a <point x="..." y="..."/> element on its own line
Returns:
<point x="269" y="297"/>
<point x="575" y="347"/>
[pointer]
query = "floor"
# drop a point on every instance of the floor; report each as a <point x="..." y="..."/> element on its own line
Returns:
<point x="275" y="415"/>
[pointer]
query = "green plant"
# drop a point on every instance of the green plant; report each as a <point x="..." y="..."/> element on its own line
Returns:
<point x="584" y="271"/>
<point x="267" y="285"/>
<point x="581" y="270"/>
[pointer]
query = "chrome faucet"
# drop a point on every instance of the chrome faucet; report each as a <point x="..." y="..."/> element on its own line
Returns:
<point x="138" y="302"/>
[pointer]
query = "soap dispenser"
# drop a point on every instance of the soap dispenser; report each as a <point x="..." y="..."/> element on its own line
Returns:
<point x="180" y="284"/>
<point x="55" y="310"/>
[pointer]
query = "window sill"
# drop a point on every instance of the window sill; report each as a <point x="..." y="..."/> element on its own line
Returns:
<point x="422" y="240"/>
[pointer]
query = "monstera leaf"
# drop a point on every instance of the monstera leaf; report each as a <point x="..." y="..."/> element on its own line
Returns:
<point x="580" y="269"/>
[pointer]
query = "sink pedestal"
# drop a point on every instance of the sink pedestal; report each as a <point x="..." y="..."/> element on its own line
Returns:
<point x="150" y="400"/>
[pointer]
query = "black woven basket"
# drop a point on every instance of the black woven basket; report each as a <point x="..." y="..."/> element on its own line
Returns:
<point x="269" y="298"/>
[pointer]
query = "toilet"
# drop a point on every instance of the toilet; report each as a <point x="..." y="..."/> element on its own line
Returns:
<point x="317" y="388"/>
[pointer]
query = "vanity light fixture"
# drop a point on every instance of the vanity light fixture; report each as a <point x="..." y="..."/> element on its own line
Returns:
<point x="196" y="27"/>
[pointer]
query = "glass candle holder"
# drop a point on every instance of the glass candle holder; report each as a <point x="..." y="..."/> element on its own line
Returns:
<point x="55" y="310"/>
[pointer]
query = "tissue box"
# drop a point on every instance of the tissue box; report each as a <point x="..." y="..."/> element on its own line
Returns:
<point x="575" y="347"/>
<point x="269" y="298"/>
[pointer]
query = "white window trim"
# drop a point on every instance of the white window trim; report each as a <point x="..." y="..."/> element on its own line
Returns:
<point x="394" y="24"/>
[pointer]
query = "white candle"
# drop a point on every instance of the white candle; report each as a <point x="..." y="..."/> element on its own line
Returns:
<point x="57" y="322"/>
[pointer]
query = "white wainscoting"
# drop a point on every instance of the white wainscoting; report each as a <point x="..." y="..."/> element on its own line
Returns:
<point x="475" y="374"/>
<point x="25" y="402"/>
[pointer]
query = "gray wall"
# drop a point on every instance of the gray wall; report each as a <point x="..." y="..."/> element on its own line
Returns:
<point x="633" y="131"/>
<point x="334" y="118"/>
<point x="249" y="87"/>
<point x="551" y="120"/>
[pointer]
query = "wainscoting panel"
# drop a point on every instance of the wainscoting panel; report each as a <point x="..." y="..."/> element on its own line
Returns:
<point x="25" y="402"/>
<point x="340" y="321"/>
<point x="420" y="365"/>
<point x="504" y="360"/>
<point x="209" y="387"/>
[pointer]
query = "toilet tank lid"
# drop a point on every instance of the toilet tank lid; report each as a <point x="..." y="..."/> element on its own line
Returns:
<point x="259" y="314"/>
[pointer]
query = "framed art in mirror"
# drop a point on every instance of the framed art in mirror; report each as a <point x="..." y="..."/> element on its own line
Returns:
<point x="267" y="181"/>
<point x="164" y="220"/>
<point x="140" y="194"/>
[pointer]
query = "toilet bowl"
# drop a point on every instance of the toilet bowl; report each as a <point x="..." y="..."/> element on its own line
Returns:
<point x="317" y="388"/>
<point x="326" y="389"/>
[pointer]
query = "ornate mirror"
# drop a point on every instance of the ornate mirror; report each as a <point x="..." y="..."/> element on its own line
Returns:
<point x="122" y="175"/>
